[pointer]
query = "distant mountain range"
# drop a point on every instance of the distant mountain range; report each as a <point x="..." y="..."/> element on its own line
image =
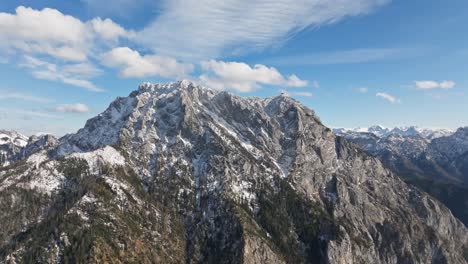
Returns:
<point x="15" y="146"/>
<point x="179" y="173"/>
<point x="435" y="160"/>
<point x="381" y="131"/>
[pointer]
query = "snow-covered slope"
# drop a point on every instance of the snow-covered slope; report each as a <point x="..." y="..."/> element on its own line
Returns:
<point x="15" y="146"/>
<point x="13" y="138"/>
<point x="435" y="160"/>
<point x="178" y="173"/>
<point x="439" y="148"/>
<point x="11" y="144"/>
<point x="381" y="131"/>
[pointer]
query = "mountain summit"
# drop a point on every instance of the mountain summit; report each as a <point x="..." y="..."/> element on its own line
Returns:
<point x="179" y="173"/>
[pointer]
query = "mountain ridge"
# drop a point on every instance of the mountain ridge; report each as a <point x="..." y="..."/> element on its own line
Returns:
<point x="180" y="173"/>
<point x="438" y="166"/>
<point x="381" y="131"/>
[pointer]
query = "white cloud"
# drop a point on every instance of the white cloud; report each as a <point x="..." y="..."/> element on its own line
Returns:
<point x="297" y="93"/>
<point x="82" y="69"/>
<point x="362" y="90"/>
<point x="109" y="30"/>
<point x="66" y="45"/>
<point x="292" y="80"/>
<point x="72" y="108"/>
<point x="73" y="75"/>
<point x="132" y="64"/>
<point x="50" y="32"/>
<point x="390" y="98"/>
<point x="8" y="95"/>
<point x="243" y="78"/>
<point x="45" y="31"/>
<point x="429" y="85"/>
<point x="213" y="27"/>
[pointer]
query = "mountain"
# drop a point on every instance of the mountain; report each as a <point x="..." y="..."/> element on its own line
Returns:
<point x="11" y="144"/>
<point x="381" y="131"/>
<point x="438" y="165"/>
<point x="15" y="146"/>
<point x="178" y="173"/>
<point x="451" y="151"/>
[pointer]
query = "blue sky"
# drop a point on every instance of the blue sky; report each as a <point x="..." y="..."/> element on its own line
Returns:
<point x="355" y="62"/>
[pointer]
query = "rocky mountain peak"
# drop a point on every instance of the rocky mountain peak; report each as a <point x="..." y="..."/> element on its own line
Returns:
<point x="13" y="138"/>
<point x="462" y="132"/>
<point x="11" y="144"/>
<point x="232" y="179"/>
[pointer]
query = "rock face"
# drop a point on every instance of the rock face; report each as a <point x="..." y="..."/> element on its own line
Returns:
<point x="438" y="166"/>
<point x="440" y="158"/>
<point x="15" y="146"/>
<point x="11" y="144"/>
<point x="178" y="173"/>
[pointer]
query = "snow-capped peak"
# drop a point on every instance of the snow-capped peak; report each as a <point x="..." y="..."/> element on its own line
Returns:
<point x="382" y="131"/>
<point x="13" y="138"/>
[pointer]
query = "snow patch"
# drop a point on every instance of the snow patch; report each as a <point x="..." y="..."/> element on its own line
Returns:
<point x="107" y="155"/>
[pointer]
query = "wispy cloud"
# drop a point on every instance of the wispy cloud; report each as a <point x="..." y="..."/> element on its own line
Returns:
<point x="75" y="74"/>
<point x="72" y="108"/>
<point x="27" y="113"/>
<point x="430" y="85"/>
<point x="214" y="27"/>
<point x="82" y="69"/>
<point x="244" y="78"/>
<point x="346" y="56"/>
<point x="390" y="98"/>
<point x="297" y="93"/>
<point x="4" y="95"/>
<point x="362" y="90"/>
<point x="62" y="48"/>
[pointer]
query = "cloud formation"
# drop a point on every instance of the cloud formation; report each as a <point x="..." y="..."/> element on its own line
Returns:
<point x="297" y="93"/>
<point x="243" y="78"/>
<point x="430" y="85"/>
<point x="58" y="47"/>
<point x="26" y="113"/>
<point x="390" y="98"/>
<point x="214" y="28"/>
<point x="52" y="33"/>
<point x="61" y="48"/>
<point x="75" y="74"/>
<point x="72" y="108"/>
<point x="44" y="31"/>
<point x="8" y="95"/>
<point x="132" y="64"/>
<point x="362" y="90"/>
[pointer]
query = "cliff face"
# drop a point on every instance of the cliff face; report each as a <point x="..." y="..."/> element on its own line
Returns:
<point x="178" y="173"/>
<point x="438" y="166"/>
